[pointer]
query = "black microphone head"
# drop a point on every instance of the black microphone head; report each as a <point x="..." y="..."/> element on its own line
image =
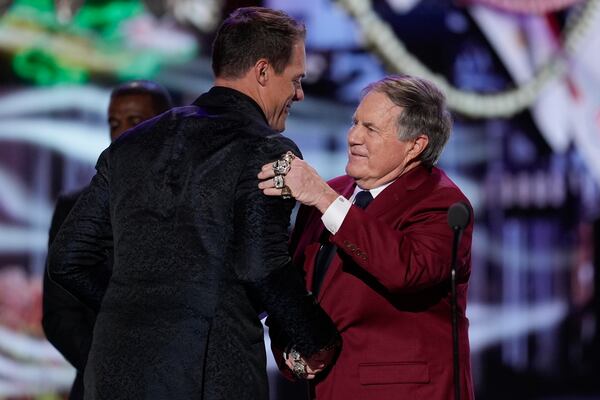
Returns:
<point x="458" y="215"/>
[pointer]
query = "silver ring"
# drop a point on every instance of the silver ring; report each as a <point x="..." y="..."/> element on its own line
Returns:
<point x="294" y="355"/>
<point x="281" y="167"/>
<point x="299" y="369"/>
<point x="278" y="182"/>
<point x="284" y="164"/>
<point x="299" y="366"/>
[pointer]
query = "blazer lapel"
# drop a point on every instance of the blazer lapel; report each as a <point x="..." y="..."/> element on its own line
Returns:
<point x="395" y="194"/>
<point x="390" y="197"/>
<point x="336" y="262"/>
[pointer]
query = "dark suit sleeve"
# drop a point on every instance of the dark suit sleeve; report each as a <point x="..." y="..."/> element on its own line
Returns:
<point x="411" y="257"/>
<point x="64" y="205"/>
<point x="78" y="256"/>
<point x="262" y="230"/>
<point x="67" y="323"/>
<point x="279" y="340"/>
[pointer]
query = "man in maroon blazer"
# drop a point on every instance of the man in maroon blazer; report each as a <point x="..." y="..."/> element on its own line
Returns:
<point x="381" y="269"/>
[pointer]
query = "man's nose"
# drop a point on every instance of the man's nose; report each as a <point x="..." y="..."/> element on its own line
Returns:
<point x="299" y="94"/>
<point x="354" y="135"/>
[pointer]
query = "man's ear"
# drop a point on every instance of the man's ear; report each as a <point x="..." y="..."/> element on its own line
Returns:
<point x="261" y="71"/>
<point x="419" y="145"/>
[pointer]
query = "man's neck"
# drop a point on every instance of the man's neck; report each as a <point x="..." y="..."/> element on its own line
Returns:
<point x="369" y="185"/>
<point x="242" y="86"/>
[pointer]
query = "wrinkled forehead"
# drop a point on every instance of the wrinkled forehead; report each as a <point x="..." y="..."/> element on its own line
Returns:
<point x="378" y="103"/>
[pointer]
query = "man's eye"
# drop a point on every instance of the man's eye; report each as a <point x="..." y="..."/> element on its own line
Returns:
<point x="136" y="120"/>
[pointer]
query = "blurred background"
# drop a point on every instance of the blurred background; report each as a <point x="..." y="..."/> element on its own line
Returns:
<point x="523" y="82"/>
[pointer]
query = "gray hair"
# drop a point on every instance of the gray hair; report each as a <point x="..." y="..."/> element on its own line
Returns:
<point x="423" y="112"/>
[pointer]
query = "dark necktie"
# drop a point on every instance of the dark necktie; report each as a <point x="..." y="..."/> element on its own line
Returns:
<point x="328" y="249"/>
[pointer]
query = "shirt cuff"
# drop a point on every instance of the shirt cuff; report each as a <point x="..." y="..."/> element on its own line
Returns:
<point x="335" y="214"/>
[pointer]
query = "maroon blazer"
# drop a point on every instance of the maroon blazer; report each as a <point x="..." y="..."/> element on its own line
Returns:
<point x="388" y="292"/>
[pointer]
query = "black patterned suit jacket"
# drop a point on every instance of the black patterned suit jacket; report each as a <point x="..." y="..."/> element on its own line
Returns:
<point x="199" y="251"/>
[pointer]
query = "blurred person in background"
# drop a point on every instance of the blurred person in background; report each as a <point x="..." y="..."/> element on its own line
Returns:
<point x="134" y="102"/>
<point x="375" y="247"/>
<point x="199" y="251"/>
<point x="68" y="323"/>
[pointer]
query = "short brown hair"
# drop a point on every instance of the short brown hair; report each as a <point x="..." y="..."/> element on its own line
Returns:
<point x="252" y="33"/>
<point x="423" y="112"/>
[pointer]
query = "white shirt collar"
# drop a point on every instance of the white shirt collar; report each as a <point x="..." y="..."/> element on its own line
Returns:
<point x="374" y="192"/>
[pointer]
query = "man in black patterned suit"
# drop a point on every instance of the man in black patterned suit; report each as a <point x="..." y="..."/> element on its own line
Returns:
<point x="199" y="251"/>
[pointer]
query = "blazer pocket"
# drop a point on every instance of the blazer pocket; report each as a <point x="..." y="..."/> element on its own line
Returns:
<point x="393" y="372"/>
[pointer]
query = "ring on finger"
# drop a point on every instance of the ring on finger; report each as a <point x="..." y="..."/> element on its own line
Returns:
<point x="289" y="156"/>
<point x="278" y="182"/>
<point x="286" y="192"/>
<point x="299" y="369"/>
<point x="282" y="166"/>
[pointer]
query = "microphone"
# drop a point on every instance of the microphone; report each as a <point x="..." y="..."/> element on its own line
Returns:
<point x="458" y="216"/>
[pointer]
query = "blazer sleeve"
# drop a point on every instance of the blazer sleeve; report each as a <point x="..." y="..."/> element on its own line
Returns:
<point x="262" y="236"/>
<point x="78" y="256"/>
<point x="67" y="323"/>
<point x="412" y="256"/>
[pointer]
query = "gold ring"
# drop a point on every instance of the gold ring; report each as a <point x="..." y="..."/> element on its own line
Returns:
<point x="286" y="193"/>
<point x="289" y="156"/>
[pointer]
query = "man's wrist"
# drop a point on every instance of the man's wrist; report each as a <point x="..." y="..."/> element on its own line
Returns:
<point x="328" y="197"/>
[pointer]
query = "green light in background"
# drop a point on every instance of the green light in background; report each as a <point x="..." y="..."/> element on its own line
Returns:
<point x="107" y="18"/>
<point x="44" y="69"/>
<point x="94" y="42"/>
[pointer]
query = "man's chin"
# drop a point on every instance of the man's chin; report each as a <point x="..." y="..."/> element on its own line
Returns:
<point x="350" y="171"/>
<point x="278" y="127"/>
<point x="356" y="164"/>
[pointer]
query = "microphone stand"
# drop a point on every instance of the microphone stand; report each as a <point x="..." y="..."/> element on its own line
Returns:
<point x="454" y="312"/>
<point x="459" y="215"/>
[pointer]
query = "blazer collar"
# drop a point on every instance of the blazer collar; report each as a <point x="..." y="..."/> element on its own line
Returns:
<point x="414" y="178"/>
<point x="220" y="100"/>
